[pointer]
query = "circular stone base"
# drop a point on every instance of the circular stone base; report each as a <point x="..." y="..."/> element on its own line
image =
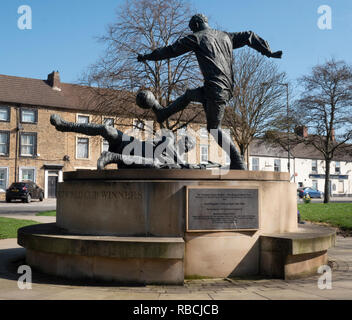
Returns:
<point x="101" y="213"/>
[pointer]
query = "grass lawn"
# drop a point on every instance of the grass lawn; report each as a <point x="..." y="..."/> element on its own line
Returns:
<point x="9" y="227"/>
<point x="335" y="214"/>
<point x="46" y="214"/>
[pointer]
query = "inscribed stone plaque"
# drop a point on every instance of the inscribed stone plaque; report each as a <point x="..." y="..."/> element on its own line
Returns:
<point x="222" y="209"/>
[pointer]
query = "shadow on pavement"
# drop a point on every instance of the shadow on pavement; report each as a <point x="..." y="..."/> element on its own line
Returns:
<point x="10" y="259"/>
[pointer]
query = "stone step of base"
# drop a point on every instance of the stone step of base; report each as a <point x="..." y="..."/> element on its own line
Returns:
<point x="49" y="238"/>
<point x="138" y="260"/>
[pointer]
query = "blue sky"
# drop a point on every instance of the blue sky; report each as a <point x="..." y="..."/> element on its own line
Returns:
<point x="64" y="32"/>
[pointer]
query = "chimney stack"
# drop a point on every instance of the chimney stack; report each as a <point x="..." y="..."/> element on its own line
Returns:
<point x="54" y="80"/>
<point x="302" y="131"/>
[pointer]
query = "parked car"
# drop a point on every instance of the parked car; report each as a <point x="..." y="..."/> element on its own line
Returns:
<point x="25" y="191"/>
<point x="313" y="193"/>
<point x="299" y="190"/>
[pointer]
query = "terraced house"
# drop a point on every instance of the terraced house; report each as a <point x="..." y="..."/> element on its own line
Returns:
<point x="307" y="165"/>
<point x="31" y="148"/>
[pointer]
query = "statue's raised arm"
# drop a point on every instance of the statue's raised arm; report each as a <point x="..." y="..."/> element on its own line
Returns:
<point x="179" y="48"/>
<point x="252" y="40"/>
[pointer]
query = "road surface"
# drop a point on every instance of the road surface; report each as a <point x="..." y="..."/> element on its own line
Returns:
<point x="27" y="208"/>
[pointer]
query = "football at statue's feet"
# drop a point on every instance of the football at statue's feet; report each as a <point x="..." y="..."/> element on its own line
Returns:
<point x="145" y="99"/>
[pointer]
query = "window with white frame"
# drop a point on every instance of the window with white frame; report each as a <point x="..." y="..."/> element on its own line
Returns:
<point x="341" y="186"/>
<point x="105" y="145"/>
<point x="203" y="132"/>
<point x="4" y="143"/>
<point x="82" y="148"/>
<point x="314" y="166"/>
<point x="204" y="153"/>
<point x="138" y="129"/>
<point x="82" y="118"/>
<point x="255" y="164"/>
<point x="29" y="116"/>
<point x="27" y="174"/>
<point x="315" y="184"/>
<point x="277" y="165"/>
<point x="337" y="167"/>
<point x="3" y="179"/>
<point x="227" y="159"/>
<point x="184" y="157"/>
<point x="28" y="144"/>
<point x="4" y="113"/>
<point x="181" y="132"/>
<point x="138" y="125"/>
<point x="109" y="122"/>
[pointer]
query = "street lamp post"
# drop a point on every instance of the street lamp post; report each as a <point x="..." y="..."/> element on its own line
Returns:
<point x="19" y="128"/>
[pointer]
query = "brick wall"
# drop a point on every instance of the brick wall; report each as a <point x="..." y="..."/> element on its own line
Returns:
<point x="52" y="146"/>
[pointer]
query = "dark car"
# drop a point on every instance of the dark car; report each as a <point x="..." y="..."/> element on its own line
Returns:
<point x="25" y="191"/>
<point x="313" y="193"/>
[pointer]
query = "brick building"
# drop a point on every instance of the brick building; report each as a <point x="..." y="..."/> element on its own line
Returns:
<point x="31" y="148"/>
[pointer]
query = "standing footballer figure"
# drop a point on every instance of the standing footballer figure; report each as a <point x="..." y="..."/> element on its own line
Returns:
<point x="213" y="50"/>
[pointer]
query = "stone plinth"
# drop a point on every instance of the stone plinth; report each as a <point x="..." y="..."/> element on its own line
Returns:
<point x="131" y="225"/>
<point x="153" y="202"/>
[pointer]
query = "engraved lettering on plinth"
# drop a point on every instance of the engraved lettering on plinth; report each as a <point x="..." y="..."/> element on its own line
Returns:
<point x="100" y="195"/>
<point x="222" y="209"/>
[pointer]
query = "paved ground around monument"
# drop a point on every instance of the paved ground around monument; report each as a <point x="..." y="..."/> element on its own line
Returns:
<point x="49" y="288"/>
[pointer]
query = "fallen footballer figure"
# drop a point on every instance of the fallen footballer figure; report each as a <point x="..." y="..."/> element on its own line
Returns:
<point x="129" y="152"/>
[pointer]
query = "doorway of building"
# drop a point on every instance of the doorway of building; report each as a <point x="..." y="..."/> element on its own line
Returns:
<point x="53" y="179"/>
<point x="53" y="176"/>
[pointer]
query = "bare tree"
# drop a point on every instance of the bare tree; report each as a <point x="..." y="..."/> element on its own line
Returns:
<point x="325" y="108"/>
<point x="142" y="26"/>
<point x="258" y="98"/>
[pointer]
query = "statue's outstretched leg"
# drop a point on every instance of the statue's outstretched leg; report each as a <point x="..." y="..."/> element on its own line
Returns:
<point x="229" y="147"/>
<point x="191" y="95"/>
<point x="89" y="129"/>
